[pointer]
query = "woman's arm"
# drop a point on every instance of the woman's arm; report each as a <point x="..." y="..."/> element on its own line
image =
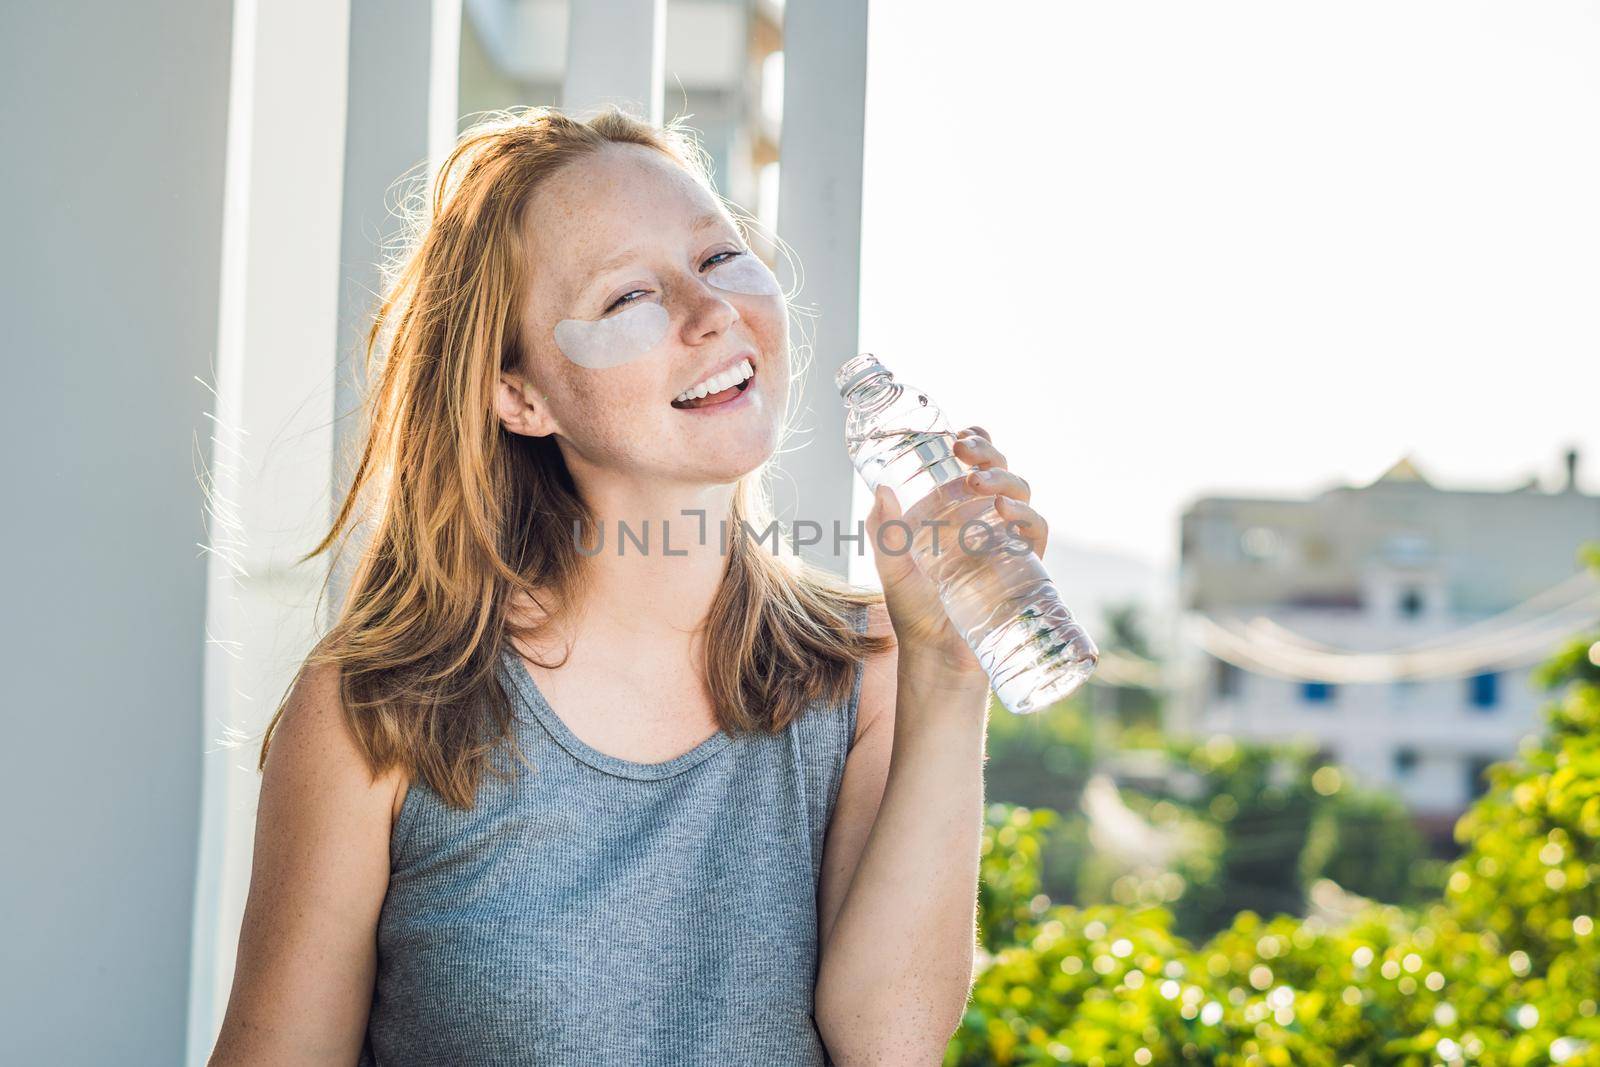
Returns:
<point x="898" y="893"/>
<point x="302" y="985"/>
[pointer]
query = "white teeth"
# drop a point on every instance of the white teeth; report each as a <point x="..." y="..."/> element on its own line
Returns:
<point x="717" y="383"/>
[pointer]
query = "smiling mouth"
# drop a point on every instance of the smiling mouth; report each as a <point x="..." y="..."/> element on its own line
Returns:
<point x="722" y="396"/>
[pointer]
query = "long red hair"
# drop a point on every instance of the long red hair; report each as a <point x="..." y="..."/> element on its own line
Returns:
<point x="454" y="515"/>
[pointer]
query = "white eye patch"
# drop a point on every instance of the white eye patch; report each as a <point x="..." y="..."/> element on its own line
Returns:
<point x="744" y="274"/>
<point x="622" y="338"/>
<point x="635" y="332"/>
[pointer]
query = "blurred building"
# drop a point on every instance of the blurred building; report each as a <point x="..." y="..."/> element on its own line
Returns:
<point x="1392" y="625"/>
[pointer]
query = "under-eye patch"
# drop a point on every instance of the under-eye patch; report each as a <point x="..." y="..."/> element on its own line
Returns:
<point x="744" y="274"/>
<point x="622" y="338"/>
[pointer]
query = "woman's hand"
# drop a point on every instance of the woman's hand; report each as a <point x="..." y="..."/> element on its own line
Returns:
<point x="927" y="639"/>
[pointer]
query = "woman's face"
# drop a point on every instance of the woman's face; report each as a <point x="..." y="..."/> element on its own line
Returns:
<point x="642" y="289"/>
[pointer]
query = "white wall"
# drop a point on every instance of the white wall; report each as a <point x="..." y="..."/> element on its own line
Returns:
<point x="115" y="121"/>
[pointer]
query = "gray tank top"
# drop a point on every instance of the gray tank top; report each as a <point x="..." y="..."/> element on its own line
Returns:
<point x="599" y="910"/>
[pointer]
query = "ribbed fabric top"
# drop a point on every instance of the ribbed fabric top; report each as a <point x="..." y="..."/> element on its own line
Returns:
<point x="599" y="910"/>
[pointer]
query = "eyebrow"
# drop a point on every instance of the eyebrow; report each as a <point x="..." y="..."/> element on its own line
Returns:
<point x="701" y="224"/>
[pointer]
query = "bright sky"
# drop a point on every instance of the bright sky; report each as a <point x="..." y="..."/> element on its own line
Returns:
<point x="1164" y="250"/>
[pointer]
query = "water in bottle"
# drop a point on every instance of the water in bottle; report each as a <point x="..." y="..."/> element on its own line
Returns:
<point x="995" y="590"/>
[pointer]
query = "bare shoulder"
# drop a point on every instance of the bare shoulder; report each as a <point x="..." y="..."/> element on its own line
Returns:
<point x="878" y="675"/>
<point x="313" y="748"/>
<point x="307" y="947"/>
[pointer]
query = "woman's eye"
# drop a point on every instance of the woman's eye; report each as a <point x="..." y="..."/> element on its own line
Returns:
<point x="623" y="299"/>
<point x="717" y="259"/>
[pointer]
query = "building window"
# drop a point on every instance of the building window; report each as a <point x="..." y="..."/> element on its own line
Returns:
<point x="1225" y="680"/>
<point x="1483" y="690"/>
<point x="1405" y="762"/>
<point x="1260" y="543"/>
<point x="1412" y="602"/>
<point x="1316" y="692"/>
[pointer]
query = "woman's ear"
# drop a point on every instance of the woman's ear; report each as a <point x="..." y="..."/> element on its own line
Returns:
<point x="522" y="407"/>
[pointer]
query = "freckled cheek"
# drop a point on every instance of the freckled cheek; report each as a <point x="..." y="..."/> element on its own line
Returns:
<point x="609" y="427"/>
<point x="613" y="397"/>
<point x="770" y="324"/>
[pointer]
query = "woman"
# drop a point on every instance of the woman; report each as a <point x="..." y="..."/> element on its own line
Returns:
<point x="539" y="799"/>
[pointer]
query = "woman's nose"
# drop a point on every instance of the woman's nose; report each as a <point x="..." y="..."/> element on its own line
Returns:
<point x="709" y="313"/>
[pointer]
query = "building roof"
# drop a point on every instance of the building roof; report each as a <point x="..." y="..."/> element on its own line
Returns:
<point x="1404" y="470"/>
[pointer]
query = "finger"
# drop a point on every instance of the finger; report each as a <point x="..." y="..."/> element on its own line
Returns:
<point x="885" y="505"/>
<point x="1028" y="524"/>
<point x="890" y="549"/>
<point x="979" y="452"/>
<point x="1001" y="482"/>
<point x="971" y="430"/>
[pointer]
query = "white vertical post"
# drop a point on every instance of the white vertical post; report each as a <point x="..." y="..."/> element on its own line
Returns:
<point x="330" y="104"/>
<point x="819" y="216"/>
<point x="616" y="53"/>
<point x="269" y="466"/>
<point x="401" y="121"/>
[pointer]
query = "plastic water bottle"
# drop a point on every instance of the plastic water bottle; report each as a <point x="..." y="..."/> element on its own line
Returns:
<point x="994" y="588"/>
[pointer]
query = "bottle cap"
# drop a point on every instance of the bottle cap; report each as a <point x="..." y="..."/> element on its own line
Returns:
<point x="858" y="370"/>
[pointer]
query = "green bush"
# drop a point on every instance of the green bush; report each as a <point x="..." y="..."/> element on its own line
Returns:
<point x="1502" y="969"/>
<point x="1260" y="823"/>
<point x="1366" y="841"/>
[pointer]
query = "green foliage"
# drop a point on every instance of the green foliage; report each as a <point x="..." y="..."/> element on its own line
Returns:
<point x="1366" y="841"/>
<point x="1042" y="760"/>
<point x="1531" y="874"/>
<point x="1009" y="885"/>
<point x="1502" y="969"/>
<point x="1260" y="828"/>
<point x="1262" y="799"/>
